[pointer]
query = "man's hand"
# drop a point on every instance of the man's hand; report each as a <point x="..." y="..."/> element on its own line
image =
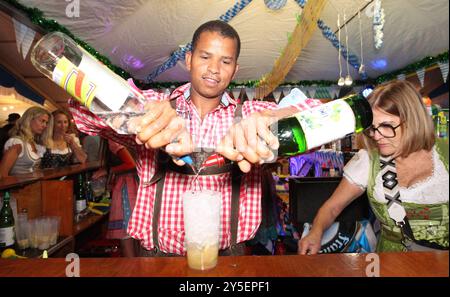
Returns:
<point x="250" y="141"/>
<point x="161" y="127"/>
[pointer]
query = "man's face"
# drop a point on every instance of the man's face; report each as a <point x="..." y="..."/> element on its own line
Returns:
<point x="212" y="65"/>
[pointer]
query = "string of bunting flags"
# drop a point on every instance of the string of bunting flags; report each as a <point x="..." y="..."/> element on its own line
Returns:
<point x="180" y="53"/>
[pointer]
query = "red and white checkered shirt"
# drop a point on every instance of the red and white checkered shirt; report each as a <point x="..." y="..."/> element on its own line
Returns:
<point x="206" y="133"/>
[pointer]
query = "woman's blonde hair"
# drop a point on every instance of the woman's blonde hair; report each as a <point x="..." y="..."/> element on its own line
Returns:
<point x="401" y="98"/>
<point x="22" y="128"/>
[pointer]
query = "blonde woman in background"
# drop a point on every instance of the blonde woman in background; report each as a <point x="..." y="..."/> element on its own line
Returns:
<point x="28" y="140"/>
<point x="65" y="148"/>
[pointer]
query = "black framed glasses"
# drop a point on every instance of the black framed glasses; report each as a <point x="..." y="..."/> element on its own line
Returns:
<point x="385" y="130"/>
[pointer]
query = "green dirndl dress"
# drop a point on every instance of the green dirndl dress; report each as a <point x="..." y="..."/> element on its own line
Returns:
<point x="428" y="221"/>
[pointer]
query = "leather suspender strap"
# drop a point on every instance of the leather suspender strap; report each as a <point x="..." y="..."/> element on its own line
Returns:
<point x="159" y="178"/>
<point x="235" y="194"/>
<point x="236" y="176"/>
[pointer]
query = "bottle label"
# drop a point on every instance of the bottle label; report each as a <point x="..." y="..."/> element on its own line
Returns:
<point x="7" y="236"/>
<point x="327" y="122"/>
<point x="113" y="90"/>
<point x="80" y="205"/>
<point x="74" y="81"/>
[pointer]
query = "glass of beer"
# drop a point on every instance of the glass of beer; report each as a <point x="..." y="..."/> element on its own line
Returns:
<point x="202" y="225"/>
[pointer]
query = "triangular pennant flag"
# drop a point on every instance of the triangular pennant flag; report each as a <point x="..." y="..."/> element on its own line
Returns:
<point x="444" y="70"/>
<point x="286" y="90"/>
<point x="27" y="41"/>
<point x="276" y="94"/>
<point x="236" y="92"/>
<point x="250" y="93"/>
<point x="20" y="30"/>
<point x="312" y="92"/>
<point x="328" y="93"/>
<point x="421" y="74"/>
<point x="401" y="76"/>
<point x="334" y="92"/>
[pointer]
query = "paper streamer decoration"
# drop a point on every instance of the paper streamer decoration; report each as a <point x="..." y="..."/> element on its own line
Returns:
<point x="299" y="40"/>
<point x="275" y="4"/>
<point x="444" y="70"/>
<point x="378" y="24"/>
<point x="353" y="60"/>
<point x="421" y="74"/>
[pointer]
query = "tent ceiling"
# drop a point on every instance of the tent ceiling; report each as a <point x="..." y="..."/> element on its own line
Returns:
<point x="139" y="35"/>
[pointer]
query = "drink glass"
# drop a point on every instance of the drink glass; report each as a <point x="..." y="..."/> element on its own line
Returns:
<point x="43" y="233"/>
<point x="22" y="231"/>
<point x="33" y="233"/>
<point x="202" y="226"/>
<point x="54" y="229"/>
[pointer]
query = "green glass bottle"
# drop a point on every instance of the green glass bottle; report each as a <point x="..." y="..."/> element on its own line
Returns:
<point x="7" y="237"/>
<point x="322" y="124"/>
<point x="80" y="195"/>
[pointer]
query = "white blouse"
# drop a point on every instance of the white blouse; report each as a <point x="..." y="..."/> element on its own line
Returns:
<point x="28" y="160"/>
<point x="13" y="141"/>
<point x="432" y="190"/>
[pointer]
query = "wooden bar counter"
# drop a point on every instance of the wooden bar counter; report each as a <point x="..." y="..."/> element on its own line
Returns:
<point x="50" y="192"/>
<point x="411" y="264"/>
<point x="45" y="174"/>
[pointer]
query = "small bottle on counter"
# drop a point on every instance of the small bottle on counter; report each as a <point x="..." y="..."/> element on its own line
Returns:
<point x="7" y="234"/>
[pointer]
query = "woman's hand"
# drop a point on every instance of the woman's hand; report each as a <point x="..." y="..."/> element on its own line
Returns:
<point x="68" y="138"/>
<point x="80" y="154"/>
<point x="310" y="244"/>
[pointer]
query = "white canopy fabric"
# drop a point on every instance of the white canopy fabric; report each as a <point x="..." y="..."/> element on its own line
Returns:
<point x="139" y="35"/>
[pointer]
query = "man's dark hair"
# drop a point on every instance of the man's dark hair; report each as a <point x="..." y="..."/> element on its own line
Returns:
<point x="12" y="117"/>
<point x="220" y="27"/>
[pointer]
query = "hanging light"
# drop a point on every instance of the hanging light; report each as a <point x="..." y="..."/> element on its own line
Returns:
<point x="348" y="79"/>
<point x="341" y="80"/>
<point x="362" y="67"/>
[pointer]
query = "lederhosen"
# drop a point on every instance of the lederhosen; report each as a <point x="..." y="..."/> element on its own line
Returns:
<point x="164" y="163"/>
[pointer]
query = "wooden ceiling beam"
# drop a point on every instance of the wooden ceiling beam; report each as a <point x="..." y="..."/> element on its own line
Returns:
<point x="34" y="87"/>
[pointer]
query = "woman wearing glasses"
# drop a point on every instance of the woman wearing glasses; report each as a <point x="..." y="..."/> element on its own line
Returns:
<point x="404" y="170"/>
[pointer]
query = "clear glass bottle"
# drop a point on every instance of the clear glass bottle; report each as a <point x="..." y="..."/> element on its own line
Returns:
<point x="105" y="93"/>
<point x="322" y="124"/>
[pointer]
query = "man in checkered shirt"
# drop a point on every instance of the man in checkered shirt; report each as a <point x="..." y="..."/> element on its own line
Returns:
<point x="205" y="119"/>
